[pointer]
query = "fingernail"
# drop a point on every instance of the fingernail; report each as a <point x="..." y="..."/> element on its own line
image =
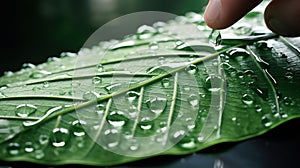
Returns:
<point x="278" y="27"/>
<point x="213" y="10"/>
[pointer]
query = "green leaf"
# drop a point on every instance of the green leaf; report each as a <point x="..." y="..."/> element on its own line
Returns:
<point x="170" y="93"/>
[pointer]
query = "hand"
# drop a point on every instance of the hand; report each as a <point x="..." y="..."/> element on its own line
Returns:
<point x="281" y="16"/>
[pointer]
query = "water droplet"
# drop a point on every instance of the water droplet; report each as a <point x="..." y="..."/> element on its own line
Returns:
<point x="215" y="37"/>
<point x="153" y="45"/>
<point x="67" y="54"/>
<point x="111" y="138"/>
<point x="123" y="44"/>
<point x="157" y="105"/>
<point x="242" y="29"/>
<point x="165" y="82"/>
<point x="133" y="145"/>
<point x="289" y="76"/>
<point x="77" y="127"/>
<point x="213" y="83"/>
<point x="96" y="80"/>
<point x="194" y="17"/>
<point x="146" y="124"/>
<point x="247" y="99"/>
<point x="263" y="45"/>
<point x="24" y="110"/>
<point x="177" y="136"/>
<point x="191" y="69"/>
<point x="100" y="108"/>
<point x="238" y="53"/>
<point x="43" y="139"/>
<point x="187" y="143"/>
<point x="132" y="96"/>
<point x="13" y="148"/>
<point x="60" y="137"/>
<point x="145" y="32"/>
<point x="117" y="119"/>
<point x="113" y="87"/>
<point x="266" y="120"/>
<point x="258" y="108"/>
<point x="193" y="100"/>
<point x="39" y="154"/>
<point x="100" y="68"/>
<point x="2" y="95"/>
<point x="53" y="59"/>
<point x="39" y="74"/>
<point x="46" y="84"/>
<point x="90" y="95"/>
<point x="288" y="101"/>
<point x="29" y="147"/>
<point x="233" y="119"/>
<point x="28" y="65"/>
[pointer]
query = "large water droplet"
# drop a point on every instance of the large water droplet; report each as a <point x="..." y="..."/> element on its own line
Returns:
<point x="247" y="99"/>
<point x="238" y="54"/>
<point x="77" y="127"/>
<point x="266" y="120"/>
<point x="191" y="69"/>
<point x="39" y="74"/>
<point x="117" y="119"/>
<point x="90" y="95"/>
<point x="96" y="80"/>
<point x="145" y="32"/>
<point x="24" y="110"/>
<point x="60" y="137"/>
<point x="213" y="83"/>
<point x="187" y="143"/>
<point x="157" y="105"/>
<point x="29" y="147"/>
<point x="13" y="148"/>
<point x="215" y="37"/>
<point x="111" y="138"/>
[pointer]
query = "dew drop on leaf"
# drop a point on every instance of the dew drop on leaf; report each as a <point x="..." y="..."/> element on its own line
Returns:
<point x="24" y="110"/>
<point x="28" y="65"/>
<point x="247" y="99"/>
<point x="191" y="69"/>
<point x="258" y="108"/>
<point x="213" y="83"/>
<point x="266" y="120"/>
<point x="29" y="147"/>
<point x="177" y="136"/>
<point x="67" y="54"/>
<point x="146" y="124"/>
<point x="2" y="95"/>
<point x="242" y="29"/>
<point x="39" y="154"/>
<point x="113" y="87"/>
<point x="90" y="95"/>
<point x="145" y="32"/>
<point x="263" y="45"/>
<point x="39" y="74"/>
<point x="111" y="138"/>
<point x="193" y="100"/>
<point x="100" y="108"/>
<point x="43" y="139"/>
<point x="77" y="127"/>
<point x="153" y="45"/>
<point x="46" y="84"/>
<point x="13" y="148"/>
<point x="100" y="68"/>
<point x="288" y="101"/>
<point x="59" y="137"/>
<point x="165" y="82"/>
<point x="157" y="105"/>
<point x="117" y="119"/>
<point x="238" y="54"/>
<point x="96" y="80"/>
<point x="187" y="143"/>
<point x="132" y="96"/>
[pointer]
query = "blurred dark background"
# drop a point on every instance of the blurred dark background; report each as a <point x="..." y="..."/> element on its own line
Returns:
<point x="33" y="30"/>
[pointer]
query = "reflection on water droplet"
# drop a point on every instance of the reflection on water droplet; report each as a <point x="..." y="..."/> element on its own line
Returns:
<point x="60" y="137"/>
<point x="24" y="110"/>
<point x="113" y="87"/>
<point x="215" y="37"/>
<point x="111" y="138"/>
<point x="90" y="95"/>
<point x="145" y="32"/>
<point x="233" y="118"/>
<point x="77" y="127"/>
<point x="177" y="136"/>
<point x="100" y="68"/>
<point x="266" y="120"/>
<point x="247" y="99"/>
<point x="46" y="84"/>
<point x="123" y="44"/>
<point x="213" y="83"/>
<point x="187" y="143"/>
<point x="39" y="74"/>
<point x="288" y="101"/>
<point x="117" y="119"/>
<point x="43" y="139"/>
<point x="193" y="100"/>
<point x="258" y="108"/>
<point x="238" y="54"/>
<point x="157" y="105"/>
<point x="153" y="45"/>
<point x="96" y="80"/>
<point x="28" y="65"/>
<point x="13" y="148"/>
<point x="39" y="154"/>
<point x="132" y="96"/>
<point x="165" y="82"/>
<point x="29" y="147"/>
<point x="100" y="108"/>
<point x="146" y="124"/>
<point x="191" y="69"/>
